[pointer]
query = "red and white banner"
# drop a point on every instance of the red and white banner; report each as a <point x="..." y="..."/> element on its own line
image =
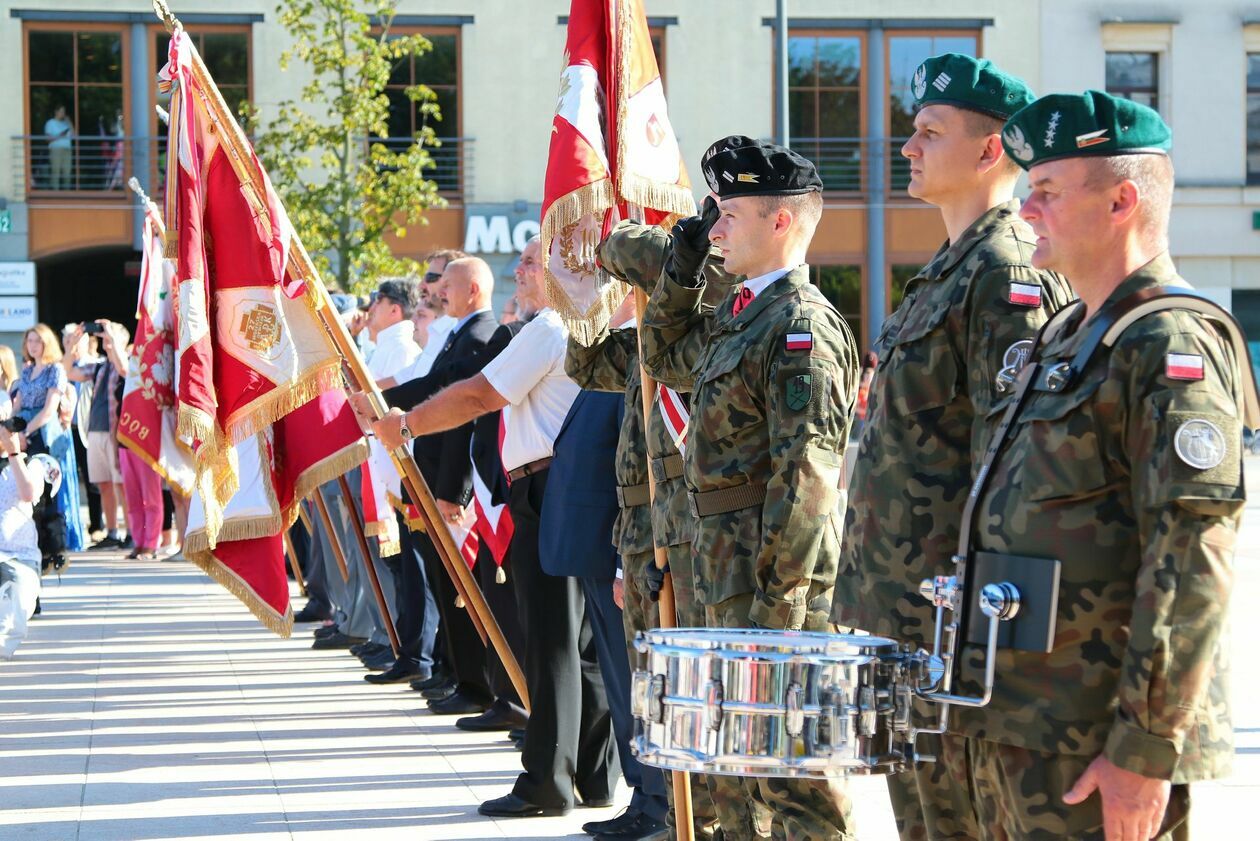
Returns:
<point x="676" y="414"/>
<point x="254" y="361"/>
<point x="146" y="425"/>
<point x="612" y="147"/>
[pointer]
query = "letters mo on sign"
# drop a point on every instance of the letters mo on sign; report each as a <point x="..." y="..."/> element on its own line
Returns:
<point x="493" y="235"/>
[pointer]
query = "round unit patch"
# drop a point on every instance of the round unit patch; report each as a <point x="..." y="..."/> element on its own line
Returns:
<point x="1200" y="444"/>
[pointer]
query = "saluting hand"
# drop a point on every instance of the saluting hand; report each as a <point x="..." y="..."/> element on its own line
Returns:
<point x="1133" y="805"/>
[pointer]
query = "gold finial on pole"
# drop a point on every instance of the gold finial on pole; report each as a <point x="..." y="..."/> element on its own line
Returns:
<point x="165" y="15"/>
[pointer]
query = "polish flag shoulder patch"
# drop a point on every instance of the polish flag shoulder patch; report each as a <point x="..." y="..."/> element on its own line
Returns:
<point x="799" y="341"/>
<point x="1183" y="366"/>
<point x="1024" y="294"/>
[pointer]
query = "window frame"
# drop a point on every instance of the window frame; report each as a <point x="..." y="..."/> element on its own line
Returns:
<point x="1156" y="92"/>
<point x="124" y="32"/>
<point x="891" y="193"/>
<point x="457" y="195"/>
<point x="863" y="39"/>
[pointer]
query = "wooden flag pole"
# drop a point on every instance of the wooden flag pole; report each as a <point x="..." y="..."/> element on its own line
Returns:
<point x="233" y="139"/>
<point x="334" y="540"/>
<point x="294" y="564"/>
<point x="357" y="524"/>
<point x="683" y="823"/>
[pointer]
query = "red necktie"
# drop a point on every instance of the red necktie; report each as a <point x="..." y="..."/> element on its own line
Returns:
<point x="742" y="299"/>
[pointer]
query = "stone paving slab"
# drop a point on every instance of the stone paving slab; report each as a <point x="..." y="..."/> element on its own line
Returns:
<point x="148" y="704"/>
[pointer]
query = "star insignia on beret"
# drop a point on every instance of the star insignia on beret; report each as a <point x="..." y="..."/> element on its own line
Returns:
<point x="1052" y="129"/>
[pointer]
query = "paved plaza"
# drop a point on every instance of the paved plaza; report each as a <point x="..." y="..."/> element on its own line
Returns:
<point x="148" y="704"/>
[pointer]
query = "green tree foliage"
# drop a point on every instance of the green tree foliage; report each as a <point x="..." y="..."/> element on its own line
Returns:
<point x="344" y="188"/>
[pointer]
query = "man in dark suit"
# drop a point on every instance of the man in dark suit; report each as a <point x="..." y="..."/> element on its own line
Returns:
<point x="466" y="287"/>
<point x="575" y="539"/>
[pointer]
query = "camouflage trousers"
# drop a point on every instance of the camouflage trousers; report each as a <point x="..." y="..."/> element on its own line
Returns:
<point x="641" y="613"/>
<point x="808" y="810"/>
<point x="987" y="791"/>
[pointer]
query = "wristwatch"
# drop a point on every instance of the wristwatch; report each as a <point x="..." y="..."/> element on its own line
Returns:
<point x="404" y="430"/>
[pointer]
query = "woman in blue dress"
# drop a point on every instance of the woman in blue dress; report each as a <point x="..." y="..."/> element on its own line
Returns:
<point x="37" y="398"/>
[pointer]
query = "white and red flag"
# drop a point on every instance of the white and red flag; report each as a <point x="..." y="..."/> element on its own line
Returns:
<point x="260" y="392"/>
<point x="613" y="152"/>
<point x="146" y="425"/>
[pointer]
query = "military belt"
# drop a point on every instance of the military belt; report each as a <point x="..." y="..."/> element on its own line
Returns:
<point x="529" y="469"/>
<point x="670" y="467"/>
<point x="632" y="496"/>
<point x="725" y="500"/>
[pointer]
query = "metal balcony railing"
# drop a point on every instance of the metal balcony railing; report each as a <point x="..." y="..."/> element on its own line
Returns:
<point x="452" y="163"/>
<point x="844" y="163"/>
<point x="101" y="164"/>
<point x="90" y="163"/>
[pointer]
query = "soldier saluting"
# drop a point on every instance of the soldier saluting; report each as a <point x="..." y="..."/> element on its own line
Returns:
<point x="775" y="380"/>
<point x="946" y="356"/>
<point x="1117" y="465"/>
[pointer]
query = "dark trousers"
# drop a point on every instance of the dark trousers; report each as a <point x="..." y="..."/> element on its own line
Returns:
<point x="464" y="652"/>
<point x="646" y="782"/>
<point x="415" y="603"/>
<point x="501" y="599"/>
<point x="568" y="741"/>
<point x="95" y="520"/>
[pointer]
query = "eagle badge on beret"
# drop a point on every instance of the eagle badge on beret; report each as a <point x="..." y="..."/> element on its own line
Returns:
<point x="1017" y="143"/>
<point x="919" y="84"/>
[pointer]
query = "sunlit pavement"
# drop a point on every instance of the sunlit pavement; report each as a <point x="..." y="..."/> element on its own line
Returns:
<point x="147" y="703"/>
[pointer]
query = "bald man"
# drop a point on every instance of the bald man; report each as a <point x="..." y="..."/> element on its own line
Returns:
<point x="464" y="291"/>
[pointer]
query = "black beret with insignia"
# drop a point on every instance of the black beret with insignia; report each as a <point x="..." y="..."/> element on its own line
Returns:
<point x="972" y="83"/>
<point x="740" y="166"/>
<point x="1092" y="123"/>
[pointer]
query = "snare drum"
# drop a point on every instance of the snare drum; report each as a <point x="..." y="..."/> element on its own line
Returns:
<point x="771" y="703"/>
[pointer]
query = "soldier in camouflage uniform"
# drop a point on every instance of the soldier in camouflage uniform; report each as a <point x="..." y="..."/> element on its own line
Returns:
<point x="775" y="372"/>
<point x="1125" y="467"/>
<point x="636" y="253"/>
<point x="946" y="356"/>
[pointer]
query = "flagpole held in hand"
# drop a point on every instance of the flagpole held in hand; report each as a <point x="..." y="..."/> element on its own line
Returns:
<point x="239" y="152"/>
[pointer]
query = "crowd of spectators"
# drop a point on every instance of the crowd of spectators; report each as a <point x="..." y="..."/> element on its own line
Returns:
<point x="60" y="445"/>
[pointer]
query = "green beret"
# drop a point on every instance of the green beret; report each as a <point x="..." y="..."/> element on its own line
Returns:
<point x="971" y="83"/>
<point x="1092" y="123"/>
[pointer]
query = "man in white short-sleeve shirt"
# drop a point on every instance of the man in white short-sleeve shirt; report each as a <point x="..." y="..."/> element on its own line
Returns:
<point x="527" y="380"/>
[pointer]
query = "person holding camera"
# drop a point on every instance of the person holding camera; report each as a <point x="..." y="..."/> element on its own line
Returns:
<point x="21" y="485"/>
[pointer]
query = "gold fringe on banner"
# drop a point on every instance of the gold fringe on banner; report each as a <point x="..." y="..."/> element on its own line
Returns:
<point x="282" y="625"/>
<point x="325" y="470"/>
<point x="158" y="467"/>
<point x="261" y="413"/>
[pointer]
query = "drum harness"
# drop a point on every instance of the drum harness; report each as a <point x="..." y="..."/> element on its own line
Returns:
<point x="1000" y="601"/>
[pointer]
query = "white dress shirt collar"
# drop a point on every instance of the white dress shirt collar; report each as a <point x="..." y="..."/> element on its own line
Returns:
<point x="757" y="285"/>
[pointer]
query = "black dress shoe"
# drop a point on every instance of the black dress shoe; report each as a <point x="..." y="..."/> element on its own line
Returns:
<point x="596" y="802"/>
<point x="379" y="662"/>
<point x="403" y="671"/>
<point x="335" y="641"/>
<point x="457" y="704"/>
<point x="437" y="693"/>
<point x="517" y="734"/>
<point x="642" y="828"/>
<point x="312" y="613"/>
<point x="491" y="720"/>
<point x="625" y="818"/>
<point x="371" y="650"/>
<point x="325" y="630"/>
<point x="432" y="681"/>
<point x="511" y="806"/>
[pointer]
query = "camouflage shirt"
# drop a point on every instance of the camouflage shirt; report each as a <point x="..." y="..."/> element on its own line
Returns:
<point x="1132" y="479"/>
<point x="773" y="397"/>
<point x="947" y="354"/>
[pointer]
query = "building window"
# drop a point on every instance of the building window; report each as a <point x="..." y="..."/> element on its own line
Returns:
<point x="1253" y="118"/>
<point x="658" y="49"/>
<point x="1134" y="76"/>
<point x="905" y="54"/>
<point x="899" y="276"/>
<point x="226" y="55"/>
<point x="75" y="109"/>
<point x="825" y="105"/>
<point x="438" y="70"/>
<point x="842" y="286"/>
